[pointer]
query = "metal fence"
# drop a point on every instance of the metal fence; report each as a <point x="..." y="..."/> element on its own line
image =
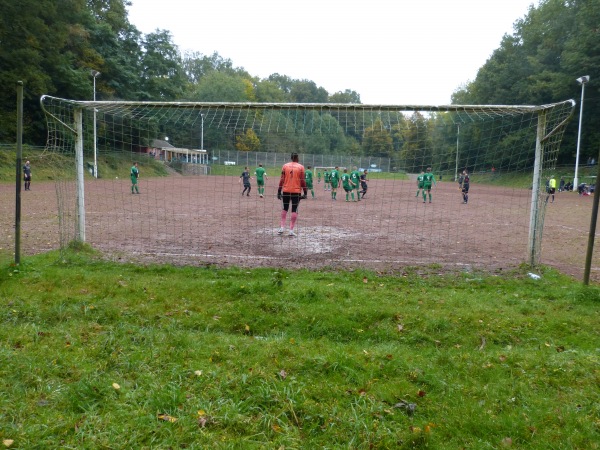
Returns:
<point x="251" y="159"/>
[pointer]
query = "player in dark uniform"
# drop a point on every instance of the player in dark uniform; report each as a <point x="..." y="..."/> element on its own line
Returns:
<point x="465" y="186"/>
<point x="245" y="177"/>
<point x="363" y="183"/>
<point x="27" y="175"/>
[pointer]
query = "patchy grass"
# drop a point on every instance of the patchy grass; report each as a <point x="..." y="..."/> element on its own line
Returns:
<point x="102" y="355"/>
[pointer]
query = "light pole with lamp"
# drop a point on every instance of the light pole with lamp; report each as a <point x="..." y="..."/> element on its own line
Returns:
<point x="456" y="168"/>
<point x="581" y="80"/>
<point x="95" y="74"/>
<point x="202" y="133"/>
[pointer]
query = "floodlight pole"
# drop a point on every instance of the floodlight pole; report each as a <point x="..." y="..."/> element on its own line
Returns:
<point x="19" y="167"/>
<point x="95" y="74"/>
<point x="457" y="136"/>
<point x="582" y="81"/>
<point x="202" y="133"/>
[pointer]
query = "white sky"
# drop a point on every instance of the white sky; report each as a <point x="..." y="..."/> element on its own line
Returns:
<point x="393" y="52"/>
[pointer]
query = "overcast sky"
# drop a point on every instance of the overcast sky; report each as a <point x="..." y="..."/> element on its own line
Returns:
<point x="393" y="52"/>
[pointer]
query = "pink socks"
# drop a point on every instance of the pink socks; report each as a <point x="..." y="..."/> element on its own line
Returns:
<point x="283" y="217"/>
<point x="293" y="220"/>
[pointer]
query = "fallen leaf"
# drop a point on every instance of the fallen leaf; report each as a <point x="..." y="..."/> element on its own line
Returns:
<point x="400" y="327"/>
<point x="421" y="393"/>
<point x="198" y="373"/>
<point x="167" y="418"/>
<point x="201" y="413"/>
<point x="365" y="280"/>
<point x="276" y="428"/>
<point x="247" y="327"/>
<point x="507" y="442"/>
<point x="116" y="386"/>
<point x="283" y="374"/>
<point x="8" y="442"/>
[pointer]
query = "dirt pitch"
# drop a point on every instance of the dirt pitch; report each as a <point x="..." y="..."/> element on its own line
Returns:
<point x="201" y="220"/>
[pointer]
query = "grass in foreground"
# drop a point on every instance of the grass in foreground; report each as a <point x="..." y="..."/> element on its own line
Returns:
<point x="102" y="355"/>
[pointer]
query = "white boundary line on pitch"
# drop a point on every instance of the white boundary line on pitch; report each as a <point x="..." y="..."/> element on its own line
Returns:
<point x="412" y="262"/>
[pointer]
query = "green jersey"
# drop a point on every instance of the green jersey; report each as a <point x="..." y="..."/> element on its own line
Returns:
<point x="308" y="176"/>
<point x="346" y="182"/>
<point x="355" y="178"/>
<point x="420" y="179"/>
<point x="428" y="179"/>
<point x="260" y="174"/>
<point x="319" y="175"/>
<point x="135" y="173"/>
<point x="334" y="177"/>
<point x="326" y="177"/>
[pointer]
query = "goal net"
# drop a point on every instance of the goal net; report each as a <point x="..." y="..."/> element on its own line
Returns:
<point x="191" y="158"/>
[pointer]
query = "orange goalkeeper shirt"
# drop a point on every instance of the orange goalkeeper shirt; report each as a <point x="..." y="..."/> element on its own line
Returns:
<point x="292" y="178"/>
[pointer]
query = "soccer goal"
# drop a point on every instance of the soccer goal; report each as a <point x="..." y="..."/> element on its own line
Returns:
<point x="190" y="209"/>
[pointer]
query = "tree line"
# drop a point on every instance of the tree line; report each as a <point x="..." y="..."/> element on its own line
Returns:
<point x="53" y="45"/>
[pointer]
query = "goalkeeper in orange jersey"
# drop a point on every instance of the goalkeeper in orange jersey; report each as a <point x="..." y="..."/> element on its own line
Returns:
<point x="292" y="188"/>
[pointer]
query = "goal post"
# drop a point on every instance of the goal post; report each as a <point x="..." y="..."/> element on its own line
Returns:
<point x="194" y="211"/>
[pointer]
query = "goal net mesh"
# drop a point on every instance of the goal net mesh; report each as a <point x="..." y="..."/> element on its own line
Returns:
<point x="191" y="156"/>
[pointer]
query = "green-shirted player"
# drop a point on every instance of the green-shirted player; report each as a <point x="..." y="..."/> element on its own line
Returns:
<point x="428" y="180"/>
<point x="318" y="176"/>
<point x="308" y="177"/>
<point x="355" y="179"/>
<point x="134" y="173"/>
<point x="261" y="176"/>
<point x="334" y="180"/>
<point x="347" y="185"/>
<point x="326" y="180"/>
<point x="420" y="179"/>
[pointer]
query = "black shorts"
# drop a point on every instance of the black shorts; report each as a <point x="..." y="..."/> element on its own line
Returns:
<point x="465" y="189"/>
<point x="552" y="191"/>
<point x="294" y="199"/>
<point x="348" y="189"/>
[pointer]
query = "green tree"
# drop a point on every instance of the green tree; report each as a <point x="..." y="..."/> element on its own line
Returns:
<point x="306" y="91"/>
<point x="416" y="153"/>
<point x="268" y="91"/>
<point x="551" y="46"/>
<point x="163" y="77"/>
<point x="45" y="44"/>
<point x="247" y="142"/>
<point x="221" y="87"/>
<point x="377" y="140"/>
<point x="348" y="96"/>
